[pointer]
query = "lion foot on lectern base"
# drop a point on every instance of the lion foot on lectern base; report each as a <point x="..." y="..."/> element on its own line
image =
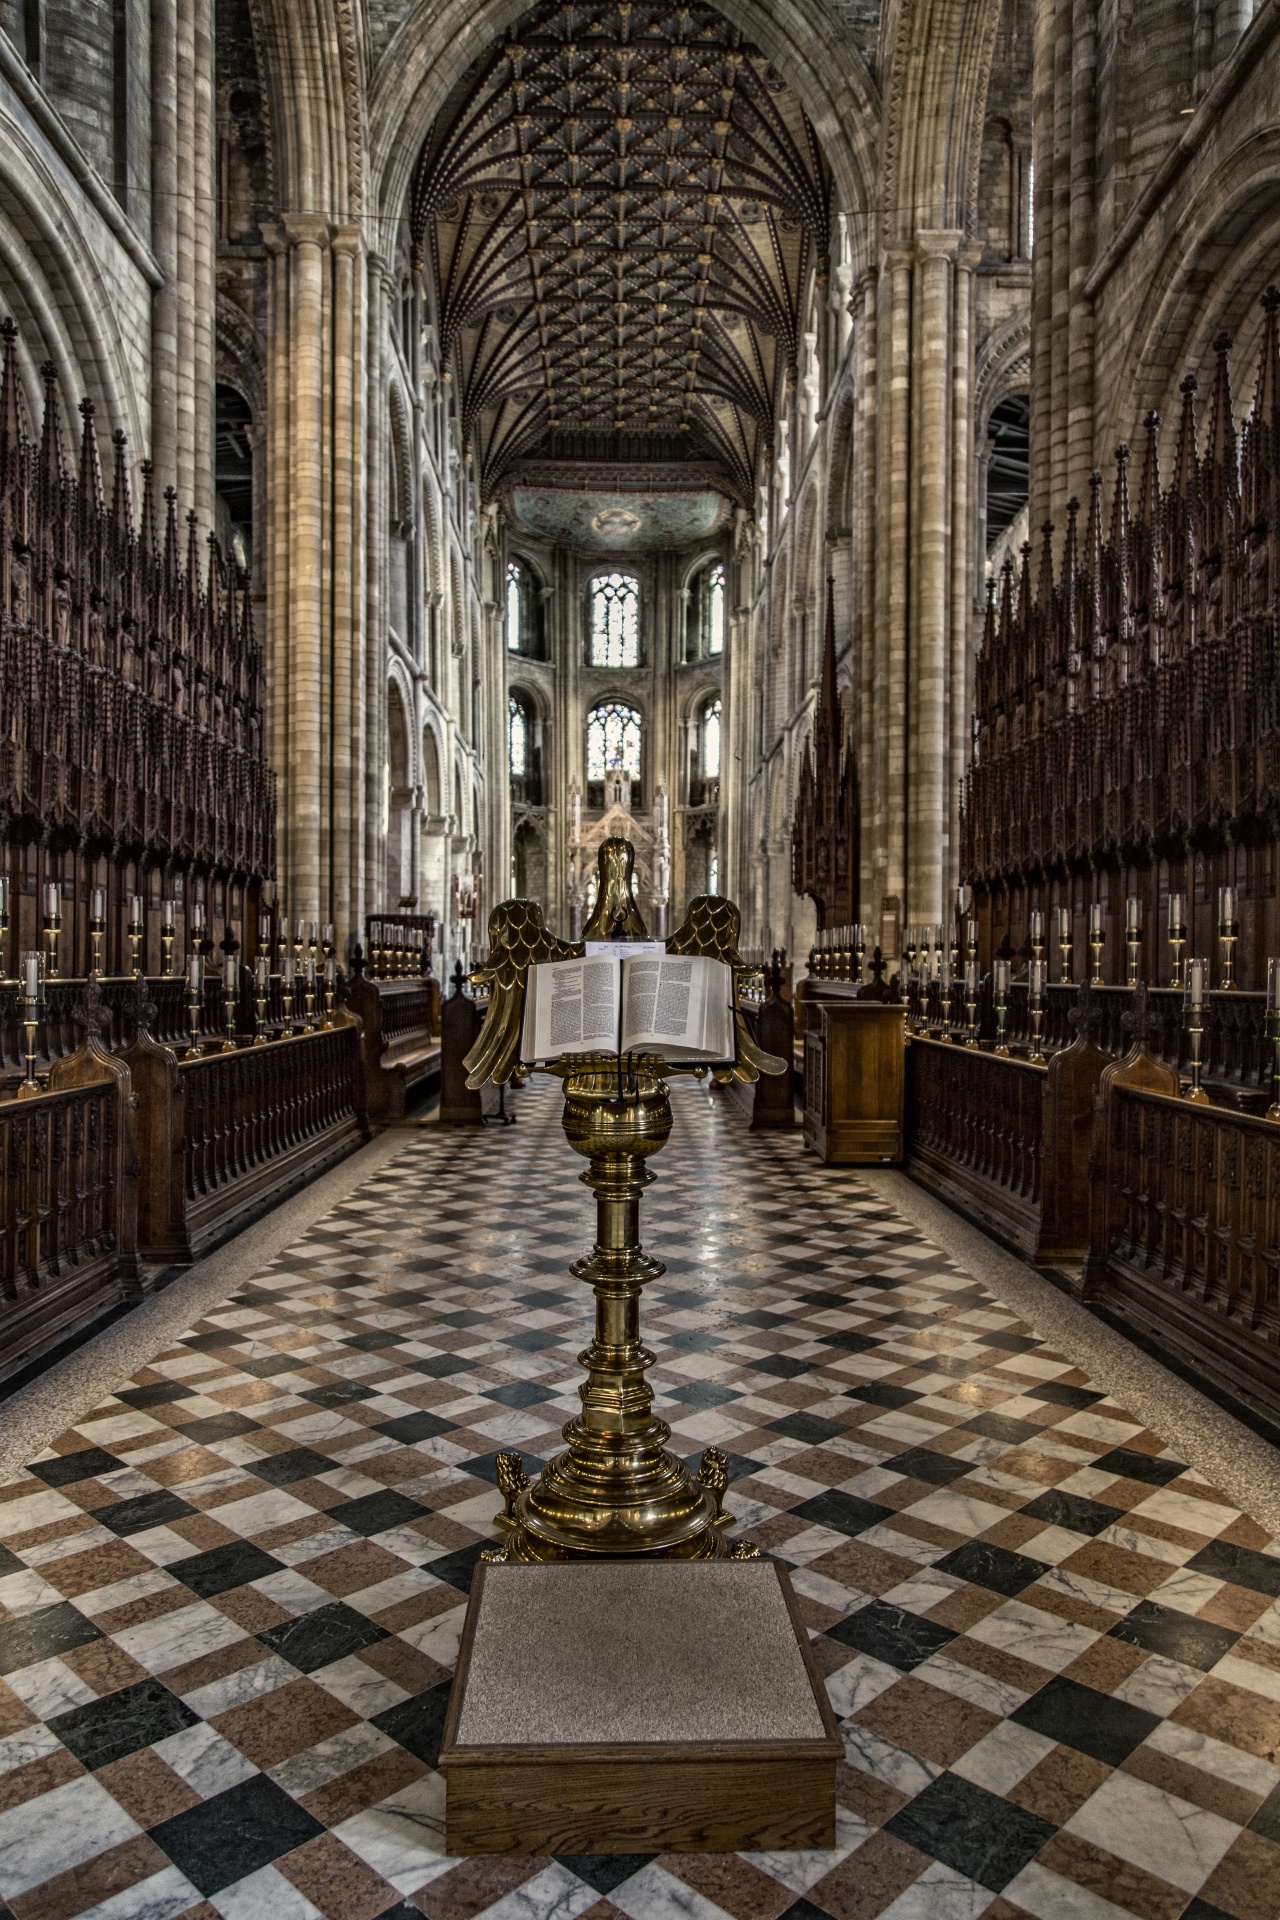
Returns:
<point x="512" y="1481"/>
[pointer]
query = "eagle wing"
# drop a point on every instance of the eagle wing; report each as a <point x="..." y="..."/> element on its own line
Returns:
<point x="711" y="928"/>
<point x="517" y="940"/>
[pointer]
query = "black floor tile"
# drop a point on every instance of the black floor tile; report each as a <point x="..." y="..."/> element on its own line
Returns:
<point x="1092" y="1722"/>
<point x="235" y="1833"/>
<point x="267" y="1365"/>
<point x="780" y="1367"/>
<point x="1010" y="1342"/>
<point x="105" y="1730"/>
<point x="536" y="1339"/>
<point x="300" y="1463"/>
<point x="882" y="1393"/>
<point x="519" y="1393"/>
<point x="217" y="1426"/>
<point x="922" y="1463"/>
<point x="1260" y="1572"/>
<point x="693" y="1342"/>
<point x="891" y="1634"/>
<point x="1178" y="1636"/>
<point x="1059" y="1396"/>
<point x="803" y="1909"/>
<point x="409" y="1428"/>
<point x="973" y="1831"/>
<point x="456" y="1569"/>
<point x="1000" y="1426"/>
<point x="604" y="1871"/>
<point x="1266" y="1820"/>
<point x="340" y="1394"/>
<point x="440" y="1366"/>
<point x="145" y="1511"/>
<point x="374" y="1340"/>
<point x="376" y="1512"/>
<point x="158" y="1394"/>
<point x="1070" y="1510"/>
<point x="216" y="1339"/>
<point x="315" y="1639"/>
<point x="418" y="1724"/>
<point x="845" y="1512"/>
<point x="848" y="1341"/>
<point x="67" y="1468"/>
<point x="820" y="1299"/>
<point x="38" y="1636"/>
<point x="761" y="1317"/>
<point x="809" y="1427"/>
<point x="1139" y="1466"/>
<point x="10" y="1563"/>
<point x="222" y="1568"/>
<point x="995" y="1568"/>
<point x="1201" y="1910"/>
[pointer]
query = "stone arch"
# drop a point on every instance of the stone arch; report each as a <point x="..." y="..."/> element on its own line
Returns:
<point x="840" y="475"/>
<point x="935" y="93"/>
<point x="311" y="63"/>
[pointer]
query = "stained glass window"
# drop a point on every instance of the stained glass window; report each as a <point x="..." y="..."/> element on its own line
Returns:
<point x="615" y="621"/>
<point x="613" y="740"/>
<point x="517" y="738"/>
<point x="711" y="740"/>
<point x="715" y="611"/>
<point x="514" y="629"/>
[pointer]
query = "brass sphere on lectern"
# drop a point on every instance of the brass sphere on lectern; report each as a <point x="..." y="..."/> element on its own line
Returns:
<point x="600" y="1126"/>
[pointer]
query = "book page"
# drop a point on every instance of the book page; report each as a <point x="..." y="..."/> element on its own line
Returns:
<point x="571" y="1006"/>
<point x="679" y="1003"/>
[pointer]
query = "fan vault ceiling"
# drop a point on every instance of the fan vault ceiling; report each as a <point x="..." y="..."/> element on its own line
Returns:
<point x="621" y="204"/>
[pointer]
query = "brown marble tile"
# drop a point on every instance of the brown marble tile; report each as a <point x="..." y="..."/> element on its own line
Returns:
<point x="104" y="1666"/>
<point x="730" y="1883"/>
<point x="337" y="1880"/>
<point x="1107" y="1664"/>
<point x="1110" y="1878"/>
<point x="477" y="1883"/>
<point x="997" y="1663"/>
<point x="38" y="1776"/>
<point x="1043" y="1468"/>
<point x="1000" y="1909"/>
<point x="89" y="1885"/>
<point x="147" y="1789"/>
<point x="203" y="1531"/>
<point x="419" y="1606"/>
<point x="151" y="1606"/>
<point x="177" y="1469"/>
<point x="1261" y="1653"/>
<point x="960" y="1610"/>
<point x="56" y="1530"/>
<point x="213" y="1666"/>
<point x="1244" y="1532"/>
<point x="1069" y="1606"/>
<point x="1161" y="1530"/>
<point x="97" y="1567"/>
<point x="1246" y="1881"/>
<point x="855" y="1564"/>
<point x="1240" y="1718"/>
<point x="1013" y="1532"/>
<point x="363" y="1787"/>
<point x="276" y="1725"/>
<point x="1059" y="1785"/>
<point x="1235" y="1607"/>
<point x="400" y="1662"/>
<point x="350" y="1568"/>
<point x="1201" y="1788"/>
<point x="861" y="1793"/>
<point x="14" y="1712"/>
<point x="870" y="1880"/>
<point x="293" y="1530"/>
<point x="1114" y="1567"/>
<point x="938" y="1726"/>
<point x="253" y="1611"/>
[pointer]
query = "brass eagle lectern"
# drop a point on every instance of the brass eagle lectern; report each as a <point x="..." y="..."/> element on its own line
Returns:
<point x="616" y="1491"/>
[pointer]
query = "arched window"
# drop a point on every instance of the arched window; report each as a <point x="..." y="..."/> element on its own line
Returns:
<point x="705" y="752"/>
<point x="515" y="610"/>
<point x="615" y="621"/>
<point x="709" y="742"/>
<point x="523" y="610"/>
<point x="715" y="610"/>
<point x="705" y="614"/>
<point x="613" y="747"/>
<point x="517" y="738"/>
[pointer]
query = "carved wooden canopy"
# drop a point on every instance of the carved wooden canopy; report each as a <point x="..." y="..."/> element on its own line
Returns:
<point x="621" y="204"/>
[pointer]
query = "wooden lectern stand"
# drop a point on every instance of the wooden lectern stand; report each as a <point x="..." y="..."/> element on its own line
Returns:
<point x="854" y="1075"/>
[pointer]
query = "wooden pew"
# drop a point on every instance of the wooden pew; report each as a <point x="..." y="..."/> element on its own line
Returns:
<point x="400" y="1039"/>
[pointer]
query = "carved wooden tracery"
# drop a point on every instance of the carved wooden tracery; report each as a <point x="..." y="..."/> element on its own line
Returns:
<point x="621" y="203"/>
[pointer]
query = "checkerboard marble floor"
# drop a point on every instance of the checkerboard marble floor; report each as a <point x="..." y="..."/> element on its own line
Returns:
<point x="231" y="1595"/>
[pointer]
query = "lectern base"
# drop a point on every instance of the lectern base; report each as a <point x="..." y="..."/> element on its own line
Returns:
<point x="637" y="1707"/>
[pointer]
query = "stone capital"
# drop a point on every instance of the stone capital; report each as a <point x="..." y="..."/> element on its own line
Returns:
<point x="346" y="239"/>
<point x="305" y="229"/>
<point x="939" y="243"/>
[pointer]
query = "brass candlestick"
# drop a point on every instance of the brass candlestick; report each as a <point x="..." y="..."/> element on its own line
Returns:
<point x="1195" y="1030"/>
<point x="4" y="921"/>
<point x="1132" y="938"/>
<point x="1001" y="981"/>
<point x="616" y="1491"/>
<point x="97" y="928"/>
<point x="1228" y="932"/>
<point x="971" y="1001"/>
<point x="30" y="1003"/>
<point x="1062" y="919"/>
<point x="167" y="932"/>
<point x="195" y="1005"/>
<point x="1273" y="1021"/>
<point x="261" y="988"/>
<point x="1097" y="940"/>
<point x="309" y="1025"/>
<point x="1035" y="991"/>
<point x="52" y="926"/>
<point x="230" y="995"/>
<point x="860" y="955"/>
<point x="286" y="989"/>
<point x="1177" y="937"/>
<point x="135" y="933"/>
<point x="330" y="990"/>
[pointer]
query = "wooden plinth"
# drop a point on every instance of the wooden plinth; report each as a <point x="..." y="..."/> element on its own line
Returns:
<point x="626" y="1706"/>
<point x="854" y="1054"/>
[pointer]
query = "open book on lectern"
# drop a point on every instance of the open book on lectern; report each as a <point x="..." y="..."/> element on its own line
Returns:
<point x="679" y="1005"/>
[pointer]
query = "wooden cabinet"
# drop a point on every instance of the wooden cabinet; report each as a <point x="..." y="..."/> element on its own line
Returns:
<point x="854" y="1059"/>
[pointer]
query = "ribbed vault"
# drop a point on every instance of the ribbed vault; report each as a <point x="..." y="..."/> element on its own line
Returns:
<point x="621" y="205"/>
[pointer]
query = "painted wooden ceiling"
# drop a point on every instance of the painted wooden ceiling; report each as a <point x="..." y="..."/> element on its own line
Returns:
<point x="621" y="204"/>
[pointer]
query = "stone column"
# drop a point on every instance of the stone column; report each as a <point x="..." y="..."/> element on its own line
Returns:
<point x="893" y="451"/>
<point x="203" y="257"/>
<point x="960" y="665"/>
<point x="1078" y="398"/>
<point x="929" y="756"/>
<point x="164" y="241"/>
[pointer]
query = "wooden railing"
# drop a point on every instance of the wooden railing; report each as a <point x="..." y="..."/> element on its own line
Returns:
<point x="976" y="1134"/>
<point x="66" y="1232"/>
<point x="1185" y="1235"/>
<point x="399" y="1046"/>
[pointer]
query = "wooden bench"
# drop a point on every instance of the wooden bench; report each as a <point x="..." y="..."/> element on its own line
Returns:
<point x="400" y="1041"/>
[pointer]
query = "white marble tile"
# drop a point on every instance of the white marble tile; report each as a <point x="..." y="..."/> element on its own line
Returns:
<point x="923" y="1590"/>
<point x="884" y="1761"/>
<point x="388" y="1593"/>
<point x="161" y="1897"/>
<point x="1185" y="1591"/>
<point x="1156" y="1831"/>
<point x="50" y="1688"/>
<point x="315" y="1766"/>
<point x="293" y="1591"/>
<point x="1248" y="1674"/>
<point x="438" y="1636"/>
<point x="810" y="1545"/>
<point x="982" y="1689"/>
<point x="38" y="1509"/>
<point x="1175" y="1509"/>
<point x="961" y="1512"/>
<point x="1034" y="1635"/>
<point x="1051" y="1897"/>
<point x="804" y="1867"/>
<point x="828" y="1593"/>
<point x="27" y="1744"/>
<point x="61" y="1830"/>
<point x="261" y="1511"/>
<point x="1130" y="1540"/>
<point x="177" y="1637"/>
<point x="160" y="1545"/>
<point x="208" y="1763"/>
<point x="858" y="1682"/>
<point x="402" y="1838"/>
<point x="655" y="1894"/>
<point x="1096" y="1593"/>
<point x="264" y="1895"/>
<point x="359" y="1687"/>
<point x="939" y="1894"/>
<point x="1159" y="1684"/>
<point x="1005" y="1756"/>
<point x="27" y="1592"/>
<point x="1247" y="1770"/>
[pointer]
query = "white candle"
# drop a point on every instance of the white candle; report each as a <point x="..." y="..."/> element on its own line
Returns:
<point x="135" y="913"/>
<point x="231" y="973"/>
<point x="1273" y="985"/>
<point x="1037" y="929"/>
<point x="1095" y="918"/>
<point x="964" y="900"/>
<point x="1002" y="976"/>
<point x="33" y="976"/>
<point x="195" y="974"/>
<point x="4" y="899"/>
<point x="98" y="904"/>
<point x="1177" y="915"/>
<point x="51" y="899"/>
<point x="1195" y="982"/>
<point x="1227" y="906"/>
<point x="166" y="915"/>
<point x="1132" y="913"/>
